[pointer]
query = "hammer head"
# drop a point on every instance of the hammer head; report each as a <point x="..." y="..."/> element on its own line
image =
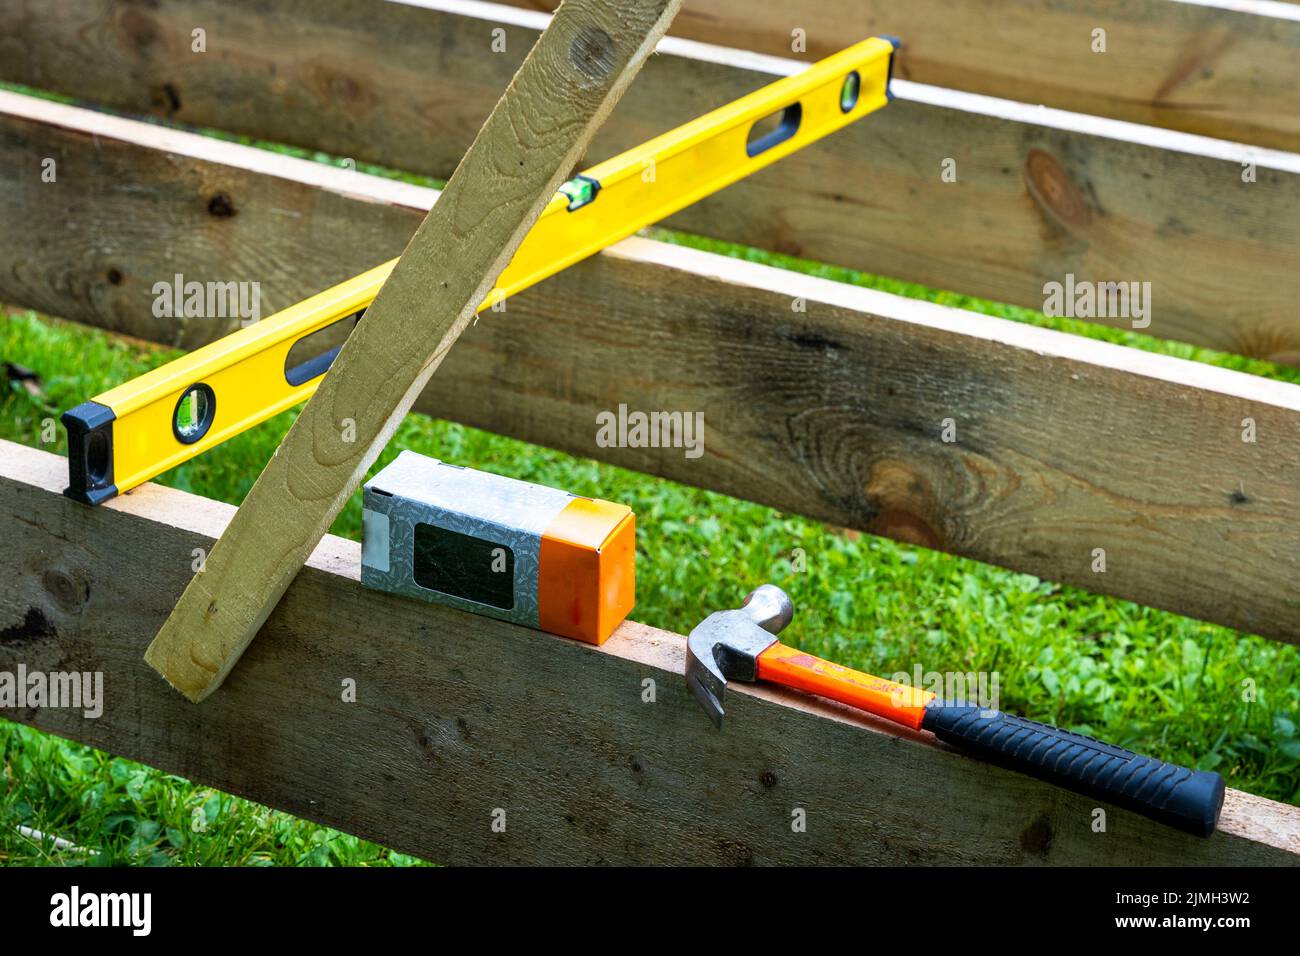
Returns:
<point x="727" y="644"/>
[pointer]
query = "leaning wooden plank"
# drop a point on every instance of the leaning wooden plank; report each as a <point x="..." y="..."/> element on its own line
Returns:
<point x="572" y="78"/>
<point x="460" y="721"/>
<point x="1063" y="445"/>
<point x="1191" y="67"/>
<point x="1039" y="195"/>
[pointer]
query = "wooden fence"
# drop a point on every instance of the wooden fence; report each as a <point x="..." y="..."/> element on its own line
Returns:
<point x="1067" y="444"/>
<point x="1037" y="195"/>
<point x="459" y="716"/>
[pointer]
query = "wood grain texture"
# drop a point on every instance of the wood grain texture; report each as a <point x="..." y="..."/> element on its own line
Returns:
<point x="1064" y="444"/>
<point x="536" y="134"/>
<point x="1037" y="196"/>
<point x="1184" y="67"/>
<point x="457" y="716"/>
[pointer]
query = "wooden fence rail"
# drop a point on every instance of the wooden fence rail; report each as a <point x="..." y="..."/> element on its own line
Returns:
<point x="1065" y="444"/>
<point x="1038" y="195"/>
<point x="1183" y="66"/>
<point x="459" y="718"/>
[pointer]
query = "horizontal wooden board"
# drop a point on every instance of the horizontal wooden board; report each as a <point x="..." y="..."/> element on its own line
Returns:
<point x="1063" y="445"/>
<point x="1230" y="70"/>
<point x="1038" y="195"/>
<point x="459" y="717"/>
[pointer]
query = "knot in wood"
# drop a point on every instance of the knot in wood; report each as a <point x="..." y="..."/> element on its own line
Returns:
<point x="221" y="206"/>
<point x="592" y="52"/>
<point x="68" y="593"/>
<point x="1053" y="190"/>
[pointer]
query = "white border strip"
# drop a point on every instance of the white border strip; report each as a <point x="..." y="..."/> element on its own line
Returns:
<point x="675" y="46"/>
<point x="906" y="90"/>
<point x="1154" y="137"/>
<point x="1256" y="8"/>
<point x="1153" y="365"/>
<point x="183" y="143"/>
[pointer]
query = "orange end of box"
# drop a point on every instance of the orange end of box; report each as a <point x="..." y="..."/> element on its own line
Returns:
<point x="586" y="584"/>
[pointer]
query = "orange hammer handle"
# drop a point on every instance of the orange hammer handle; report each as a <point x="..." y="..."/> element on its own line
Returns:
<point x="900" y="703"/>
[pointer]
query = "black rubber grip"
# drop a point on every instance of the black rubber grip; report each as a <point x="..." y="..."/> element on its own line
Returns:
<point x="1189" y="800"/>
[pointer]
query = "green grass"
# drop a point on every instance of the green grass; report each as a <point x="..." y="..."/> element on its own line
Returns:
<point x="1146" y="679"/>
<point x="119" y="812"/>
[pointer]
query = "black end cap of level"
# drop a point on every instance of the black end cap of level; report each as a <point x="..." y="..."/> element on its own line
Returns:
<point x="889" y="79"/>
<point x="90" y="453"/>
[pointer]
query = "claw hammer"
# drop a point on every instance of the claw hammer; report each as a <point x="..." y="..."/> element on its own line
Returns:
<point x="741" y="644"/>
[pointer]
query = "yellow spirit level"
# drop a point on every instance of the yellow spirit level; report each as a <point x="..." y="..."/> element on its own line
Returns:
<point x="140" y="429"/>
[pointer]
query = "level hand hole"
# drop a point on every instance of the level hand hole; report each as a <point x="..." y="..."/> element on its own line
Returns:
<point x="97" y="458"/>
<point x="773" y="129"/>
<point x="313" y="354"/>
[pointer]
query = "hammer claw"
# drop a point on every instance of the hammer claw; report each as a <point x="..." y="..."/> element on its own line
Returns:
<point x="727" y="644"/>
<point x="709" y="700"/>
